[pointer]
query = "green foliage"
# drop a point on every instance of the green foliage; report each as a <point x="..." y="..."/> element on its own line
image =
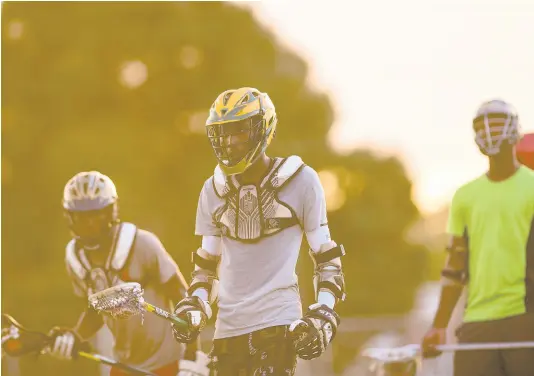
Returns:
<point x="65" y="110"/>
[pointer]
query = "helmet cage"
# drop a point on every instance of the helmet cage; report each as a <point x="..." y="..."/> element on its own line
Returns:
<point x="91" y="228"/>
<point x="225" y="151"/>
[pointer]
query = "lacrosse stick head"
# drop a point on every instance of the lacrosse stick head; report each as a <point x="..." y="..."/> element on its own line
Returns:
<point x="400" y="361"/>
<point x="121" y="301"/>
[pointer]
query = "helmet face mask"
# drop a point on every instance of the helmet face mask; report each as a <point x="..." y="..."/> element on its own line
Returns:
<point x="496" y="127"/>
<point x="234" y="141"/>
<point x="91" y="228"/>
<point x="240" y="126"/>
<point x="90" y="204"/>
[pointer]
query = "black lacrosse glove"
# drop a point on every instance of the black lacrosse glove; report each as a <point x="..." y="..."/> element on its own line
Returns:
<point x="196" y="313"/>
<point x="314" y="331"/>
<point x="16" y="344"/>
<point x="18" y="341"/>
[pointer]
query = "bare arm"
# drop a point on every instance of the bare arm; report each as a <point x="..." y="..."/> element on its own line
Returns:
<point x="88" y="324"/>
<point x="175" y="289"/>
<point x="454" y="276"/>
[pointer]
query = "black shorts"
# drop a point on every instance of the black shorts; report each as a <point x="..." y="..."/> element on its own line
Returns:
<point x="268" y="351"/>
<point x="513" y="362"/>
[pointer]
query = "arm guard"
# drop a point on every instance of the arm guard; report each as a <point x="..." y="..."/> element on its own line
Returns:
<point x="455" y="271"/>
<point x="328" y="274"/>
<point x="205" y="274"/>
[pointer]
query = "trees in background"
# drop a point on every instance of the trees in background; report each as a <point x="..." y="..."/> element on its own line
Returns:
<point x="124" y="88"/>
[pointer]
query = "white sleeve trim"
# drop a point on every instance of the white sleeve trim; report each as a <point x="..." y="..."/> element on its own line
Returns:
<point x="318" y="237"/>
<point x="212" y="244"/>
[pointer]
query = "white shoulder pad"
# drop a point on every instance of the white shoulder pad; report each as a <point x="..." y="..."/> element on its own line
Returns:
<point x="73" y="261"/>
<point x="124" y="245"/>
<point x="220" y="182"/>
<point x="289" y="167"/>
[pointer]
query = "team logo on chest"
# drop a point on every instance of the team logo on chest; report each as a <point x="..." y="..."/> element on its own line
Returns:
<point x="249" y="200"/>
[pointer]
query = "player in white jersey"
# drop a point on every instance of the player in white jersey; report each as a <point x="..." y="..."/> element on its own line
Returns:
<point x="105" y="252"/>
<point x="252" y="214"/>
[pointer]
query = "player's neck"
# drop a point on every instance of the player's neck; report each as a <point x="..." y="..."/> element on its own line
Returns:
<point x="98" y="256"/>
<point x="255" y="173"/>
<point x="502" y="167"/>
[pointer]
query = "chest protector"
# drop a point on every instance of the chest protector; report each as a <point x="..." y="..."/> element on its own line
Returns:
<point x="252" y="212"/>
<point x="120" y="252"/>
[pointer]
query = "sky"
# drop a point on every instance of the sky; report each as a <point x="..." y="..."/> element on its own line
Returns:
<point x="407" y="77"/>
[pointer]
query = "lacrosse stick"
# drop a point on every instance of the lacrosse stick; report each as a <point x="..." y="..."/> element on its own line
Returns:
<point x="413" y="351"/>
<point x="406" y="360"/>
<point x="18" y="341"/>
<point x="126" y="300"/>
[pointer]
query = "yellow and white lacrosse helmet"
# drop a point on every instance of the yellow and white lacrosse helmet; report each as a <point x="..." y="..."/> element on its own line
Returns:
<point x="240" y="126"/>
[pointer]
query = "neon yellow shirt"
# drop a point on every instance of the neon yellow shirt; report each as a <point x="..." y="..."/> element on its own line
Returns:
<point x="499" y="220"/>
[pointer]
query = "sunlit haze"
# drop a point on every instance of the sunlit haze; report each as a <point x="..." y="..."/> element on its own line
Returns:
<point x="406" y="77"/>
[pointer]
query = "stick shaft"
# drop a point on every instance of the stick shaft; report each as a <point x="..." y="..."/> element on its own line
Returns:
<point x="111" y="362"/>
<point x="414" y="350"/>
<point x="166" y="315"/>
<point x="486" y="346"/>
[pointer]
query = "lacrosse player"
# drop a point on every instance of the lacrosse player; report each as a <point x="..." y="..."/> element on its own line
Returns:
<point x="252" y="214"/>
<point x="491" y="253"/>
<point x="105" y="252"/>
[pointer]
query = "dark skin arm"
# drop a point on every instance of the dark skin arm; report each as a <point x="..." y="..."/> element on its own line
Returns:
<point x="454" y="276"/>
<point x="450" y="291"/>
<point x="88" y="324"/>
<point x="175" y="289"/>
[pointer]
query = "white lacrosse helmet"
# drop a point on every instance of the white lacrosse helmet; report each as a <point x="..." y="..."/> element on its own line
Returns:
<point x="496" y="121"/>
<point x="90" y="201"/>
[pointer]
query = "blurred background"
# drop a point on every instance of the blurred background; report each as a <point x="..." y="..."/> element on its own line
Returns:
<point x="376" y="96"/>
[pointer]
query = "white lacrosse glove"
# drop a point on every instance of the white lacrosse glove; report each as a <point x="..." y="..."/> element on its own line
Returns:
<point x="196" y="312"/>
<point x="66" y="343"/>
<point x="314" y="331"/>
<point x="197" y="367"/>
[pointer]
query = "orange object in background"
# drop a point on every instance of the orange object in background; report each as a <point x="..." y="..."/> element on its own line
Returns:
<point x="525" y="150"/>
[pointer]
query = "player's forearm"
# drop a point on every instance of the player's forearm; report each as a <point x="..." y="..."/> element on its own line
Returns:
<point x="175" y="289"/>
<point x="88" y="324"/>
<point x="329" y="281"/>
<point x="450" y="294"/>
<point x="204" y="282"/>
<point x="453" y="278"/>
<point x="326" y="298"/>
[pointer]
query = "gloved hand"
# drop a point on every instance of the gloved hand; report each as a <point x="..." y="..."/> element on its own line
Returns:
<point x="66" y="343"/>
<point x="195" y="367"/>
<point x="314" y="331"/>
<point x="196" y="312"/>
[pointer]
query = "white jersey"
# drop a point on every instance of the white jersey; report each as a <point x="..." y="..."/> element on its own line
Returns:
<point x="149" y="345"/>
<point x="258" y="286"/>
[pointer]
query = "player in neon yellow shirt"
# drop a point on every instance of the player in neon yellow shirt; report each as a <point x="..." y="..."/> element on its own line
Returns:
<point x="491" y="254"/>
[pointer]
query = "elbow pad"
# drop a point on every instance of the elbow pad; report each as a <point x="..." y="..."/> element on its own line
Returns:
<point x="455" y="273"/>
<point x="328" y="275"/>
<point x="453" y="277"/>
<point x="205" y="274"/>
